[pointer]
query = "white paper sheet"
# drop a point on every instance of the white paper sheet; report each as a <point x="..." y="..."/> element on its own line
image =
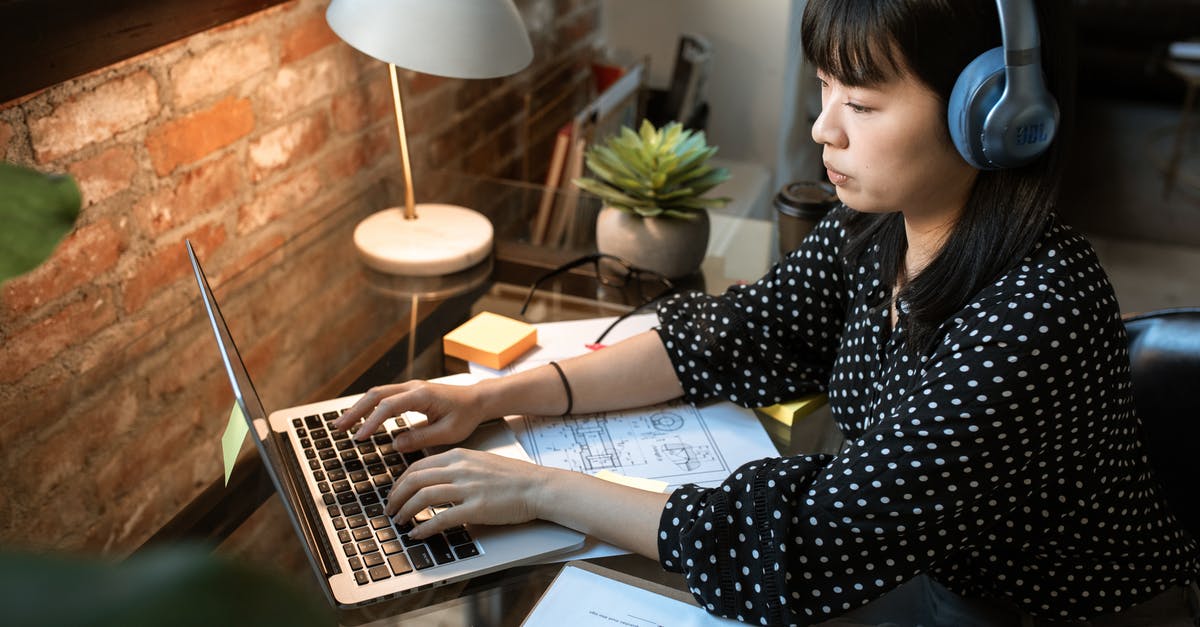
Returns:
<point x="581" y="598"/>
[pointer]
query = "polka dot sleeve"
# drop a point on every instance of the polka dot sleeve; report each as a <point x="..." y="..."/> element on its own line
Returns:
<point x="767" y="342"/>
<point x="981" y="462"/>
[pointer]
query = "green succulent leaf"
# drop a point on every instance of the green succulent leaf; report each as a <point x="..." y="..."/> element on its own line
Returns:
<point x="654" y="171"/>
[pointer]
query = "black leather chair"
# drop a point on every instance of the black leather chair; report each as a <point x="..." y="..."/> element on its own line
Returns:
<point x="1164" y="356"/>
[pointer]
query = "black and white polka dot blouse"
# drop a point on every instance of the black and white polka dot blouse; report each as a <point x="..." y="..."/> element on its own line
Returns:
<point x="1005" y="464"/>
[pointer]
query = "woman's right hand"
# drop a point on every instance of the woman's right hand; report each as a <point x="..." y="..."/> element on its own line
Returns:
<point x="453" y="412"/>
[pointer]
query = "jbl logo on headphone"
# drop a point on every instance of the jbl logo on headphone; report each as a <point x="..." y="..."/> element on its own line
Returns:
<point x="1032" y="134"/>
<point x="1000" y="114"/>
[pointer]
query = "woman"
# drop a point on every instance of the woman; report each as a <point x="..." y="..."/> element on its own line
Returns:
<point x="974" y="358"/>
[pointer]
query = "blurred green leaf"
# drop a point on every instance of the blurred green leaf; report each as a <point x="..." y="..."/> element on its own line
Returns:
<point x="36" y="211"/>
<point x="181" y="586"/>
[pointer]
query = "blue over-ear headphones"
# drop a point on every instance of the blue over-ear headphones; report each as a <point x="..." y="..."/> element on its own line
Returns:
<point x="1000" y="113"/>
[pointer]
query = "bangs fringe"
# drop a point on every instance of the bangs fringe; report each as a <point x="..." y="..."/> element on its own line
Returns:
<point x="853" y="41"/>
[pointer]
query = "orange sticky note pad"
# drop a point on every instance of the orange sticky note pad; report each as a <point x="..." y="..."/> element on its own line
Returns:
<point x="490" y="340"/>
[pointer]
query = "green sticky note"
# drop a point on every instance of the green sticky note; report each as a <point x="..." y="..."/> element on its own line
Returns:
<point x="231" y="441"/>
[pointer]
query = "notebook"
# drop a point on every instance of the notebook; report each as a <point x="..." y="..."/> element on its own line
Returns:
<point x="334" y="490"/>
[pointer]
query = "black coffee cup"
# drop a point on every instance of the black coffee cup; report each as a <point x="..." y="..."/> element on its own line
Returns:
<point x="799" y="206"/>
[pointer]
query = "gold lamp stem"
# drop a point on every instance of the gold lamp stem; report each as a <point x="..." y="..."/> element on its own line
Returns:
<point x="410" y="206"/>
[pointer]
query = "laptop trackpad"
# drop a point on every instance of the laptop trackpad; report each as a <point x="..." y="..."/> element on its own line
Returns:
<point x="493" y="436"/>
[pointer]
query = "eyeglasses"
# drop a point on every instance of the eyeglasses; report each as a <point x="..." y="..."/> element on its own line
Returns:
<point x="610" y="271"/>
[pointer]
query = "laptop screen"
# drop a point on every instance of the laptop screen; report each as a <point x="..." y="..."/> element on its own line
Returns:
<point x="256" y="416"/>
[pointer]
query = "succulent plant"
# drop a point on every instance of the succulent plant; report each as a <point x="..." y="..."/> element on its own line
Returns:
<point x="655" y="172"/>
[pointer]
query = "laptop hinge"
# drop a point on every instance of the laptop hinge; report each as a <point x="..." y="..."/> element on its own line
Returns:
<point x="318" y="543"/>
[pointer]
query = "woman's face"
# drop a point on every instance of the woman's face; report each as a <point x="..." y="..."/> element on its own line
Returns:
<point x="886" y="148"/>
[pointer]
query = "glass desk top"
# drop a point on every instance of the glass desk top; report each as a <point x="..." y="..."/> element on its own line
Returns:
<point x="385" y="329"/>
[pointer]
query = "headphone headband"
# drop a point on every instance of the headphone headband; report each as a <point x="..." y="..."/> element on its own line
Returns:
<point x="1000" y="113"/>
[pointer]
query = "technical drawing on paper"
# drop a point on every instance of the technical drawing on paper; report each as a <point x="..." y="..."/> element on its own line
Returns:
<point x="668" y="442"/>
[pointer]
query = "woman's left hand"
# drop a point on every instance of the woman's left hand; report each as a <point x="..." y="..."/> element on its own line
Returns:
<point x="485" y="489"/>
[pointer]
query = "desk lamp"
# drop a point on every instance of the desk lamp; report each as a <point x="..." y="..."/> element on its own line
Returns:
<point x="453" y="38"/>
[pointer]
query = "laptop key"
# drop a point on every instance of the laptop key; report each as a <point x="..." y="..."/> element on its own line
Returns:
<point x="323" y="486"/>
<point x="419" y="557"/>
<point x="346" y="497"/>
<point x="380" y="523"/>
<point x="337" y="474"/>
<point x="386" y="534"/>
<point x="305" y="442"/>
<point x="348" y="549"/>
<point x="367" y="546"/>
<point x="377" y="469"/>
<point x="371" y="459"/>
<point x="361" y="578"/>
<point x="463" y="551"/>
<point x="374" y="510"/>
<point x="329" y="499"/>
<point x="400" y="564"/>
<point x="408" y="540"/>
<point x="344" y="444"/>
<point x="370" y="498"/>
<point x="356" y="521"/>
<point x="331" y="464"/>
<point x="372" y="560"/>
<point x="438" y="547"/>
<point x="392" y="547"/>
<point x="356" y="563"/>
<point x="352" y="509"/>
<point x="310" y="454"/>
<point x="339" y="522"/>
<point x="358" y="476"/>
<point x="393" y="460"/>
<point x="327" y="454"/>
<point x="323" y="443"/>
<point x="363" y="487"/>
<point x="314" y="464"/>
<point x="296" y="422"/>
<point x="330" y="416"/>
<point x="360" y="534"/>
<point x="380" y="572"/>
<point x="318" y="434"/>
<point x="318" y="475"/>
<point x="354" y="464"/>
<point x="313" y="422"/>
<point x="457" y="536"/>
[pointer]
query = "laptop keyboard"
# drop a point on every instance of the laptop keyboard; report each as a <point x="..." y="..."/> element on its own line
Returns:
<point x="354" y="479"/>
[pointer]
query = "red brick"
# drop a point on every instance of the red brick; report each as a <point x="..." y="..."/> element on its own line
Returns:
<point x="425" y="115"/>
<point x="363" y="104"/>
<point x="292" y="195"/>
<point x="166" y="265"/>
<point x="95" y="115"/>
<point x="249" y="258"/>
<point x="104" y="175"/>
<point x="297" y="86"/>
<point x="287" y="145"/>
<point x="417" y="83"/>
<point x="219" y="68"/>
<point x="192" y="137"/>
<point x="6" y="135"/>
<point x="306" y="38"/>
<point x="41" y="342"/>
<point x="364" y="153"/>
<point x="84" y="255"/>
<point x="196" y="193"/>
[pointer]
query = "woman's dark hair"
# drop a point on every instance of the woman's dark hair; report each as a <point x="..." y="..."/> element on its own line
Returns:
<point x="868" y="42"/>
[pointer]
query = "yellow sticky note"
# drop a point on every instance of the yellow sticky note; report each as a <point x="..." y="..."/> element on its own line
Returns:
<point x="653" y="485"/>
<point x="231" y="440"/>
<point x="490" y="340"/>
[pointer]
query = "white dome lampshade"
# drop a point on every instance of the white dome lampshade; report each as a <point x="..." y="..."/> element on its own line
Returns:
<point x="453" y="38"/>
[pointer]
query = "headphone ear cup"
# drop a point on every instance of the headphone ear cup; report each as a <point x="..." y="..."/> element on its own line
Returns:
<point x="975" y="94"/>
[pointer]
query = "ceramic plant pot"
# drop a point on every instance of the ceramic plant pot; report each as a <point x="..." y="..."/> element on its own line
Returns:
<point x="672" y="247"/>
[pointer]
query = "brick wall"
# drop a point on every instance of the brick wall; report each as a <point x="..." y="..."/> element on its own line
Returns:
<point x="238" y="138"/>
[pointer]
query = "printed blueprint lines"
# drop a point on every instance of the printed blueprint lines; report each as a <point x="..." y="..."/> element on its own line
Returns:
<point x="668" y="442"/>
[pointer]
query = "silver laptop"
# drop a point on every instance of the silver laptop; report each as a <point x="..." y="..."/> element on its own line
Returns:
<point x="334" y="490"/>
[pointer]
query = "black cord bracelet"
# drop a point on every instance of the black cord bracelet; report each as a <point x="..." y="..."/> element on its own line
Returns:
<point x="566" y="386"/>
